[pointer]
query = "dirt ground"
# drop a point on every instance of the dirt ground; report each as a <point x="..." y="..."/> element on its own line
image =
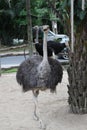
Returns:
<point x="16" y="108"/>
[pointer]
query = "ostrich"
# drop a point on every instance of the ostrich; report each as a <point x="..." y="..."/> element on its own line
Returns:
<point x="38" y="42"/>
<point x="52" y="46"/>
<point x="39" y="73"/>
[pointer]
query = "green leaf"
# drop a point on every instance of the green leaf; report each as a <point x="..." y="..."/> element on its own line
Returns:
<point x="82" y="15"/>
<point x="23" y="13"/>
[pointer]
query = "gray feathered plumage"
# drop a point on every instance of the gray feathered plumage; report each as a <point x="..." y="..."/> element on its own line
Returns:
<point x="29" y="78"/>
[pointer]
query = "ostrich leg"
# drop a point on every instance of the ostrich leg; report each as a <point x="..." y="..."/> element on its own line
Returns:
<point x="36" y="110"/>
<point x="35" y="96"/>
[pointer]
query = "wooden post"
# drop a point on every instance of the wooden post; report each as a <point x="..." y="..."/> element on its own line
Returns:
<point x="72" y="25"/>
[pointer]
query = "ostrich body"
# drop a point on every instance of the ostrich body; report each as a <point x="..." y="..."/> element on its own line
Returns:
<point x="39" y="73"/>
<point x="56" y="46"/>
<point x="28" y="75"/>
<point x="52" y="46"/>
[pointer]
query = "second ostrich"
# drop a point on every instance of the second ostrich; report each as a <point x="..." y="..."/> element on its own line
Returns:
<point x="39" y="73"/>
<point x="53" y="47"/>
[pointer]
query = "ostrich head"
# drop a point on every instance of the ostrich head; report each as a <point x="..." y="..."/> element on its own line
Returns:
<point x="36" y="28"/>
<point x="38" y="34"/>
<point x="45" y="28"/>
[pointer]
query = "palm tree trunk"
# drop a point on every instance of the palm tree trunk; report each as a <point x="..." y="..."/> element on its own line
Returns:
<point x="77" y="73"/>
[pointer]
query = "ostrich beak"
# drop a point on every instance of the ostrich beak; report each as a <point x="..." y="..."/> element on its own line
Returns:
<point x="67" y="45"/>
<point x="45" y="27"/>
<point x="36" y="41"/>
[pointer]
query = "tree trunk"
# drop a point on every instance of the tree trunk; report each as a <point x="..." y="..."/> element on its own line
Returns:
<point x="0" y="58"/>
<point x="54" y="27"/>
<point x="54" y="22"/>
<point x="77" y="72"/>
<point x="29" y="27"/>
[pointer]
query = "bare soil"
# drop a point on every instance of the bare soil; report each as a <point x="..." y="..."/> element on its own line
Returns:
<point x="16" y="107"/>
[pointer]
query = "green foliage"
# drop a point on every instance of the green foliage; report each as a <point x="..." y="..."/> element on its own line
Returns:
<point x="11" y="20"/>
<point x="22" y="13"/>
<point x="21" y="20"/>
<point x="13" y="23"/>
<point x="12" y="70"/>
<point x="80" y="16"/>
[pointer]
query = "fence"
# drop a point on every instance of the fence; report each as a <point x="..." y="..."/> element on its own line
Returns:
<point x="10" y="51"/>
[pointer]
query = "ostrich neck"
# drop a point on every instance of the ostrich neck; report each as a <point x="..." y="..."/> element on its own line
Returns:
<point x="45" y="57"/>
<point x="44" y="68"/>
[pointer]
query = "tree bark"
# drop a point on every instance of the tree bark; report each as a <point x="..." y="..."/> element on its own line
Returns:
<point x="0" y="58"/>
<point x="77" y="73"/>
<point x="54" y="22"/>
<point x="29" y="27"/>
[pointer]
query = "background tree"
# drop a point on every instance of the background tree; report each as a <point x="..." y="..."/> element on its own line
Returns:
<point x="13" y="23"/>
<point x="11" y="20"/>
<point x="6" y="16"/>
<point x="29" y="26"/>
<point x="77" y="70"/>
